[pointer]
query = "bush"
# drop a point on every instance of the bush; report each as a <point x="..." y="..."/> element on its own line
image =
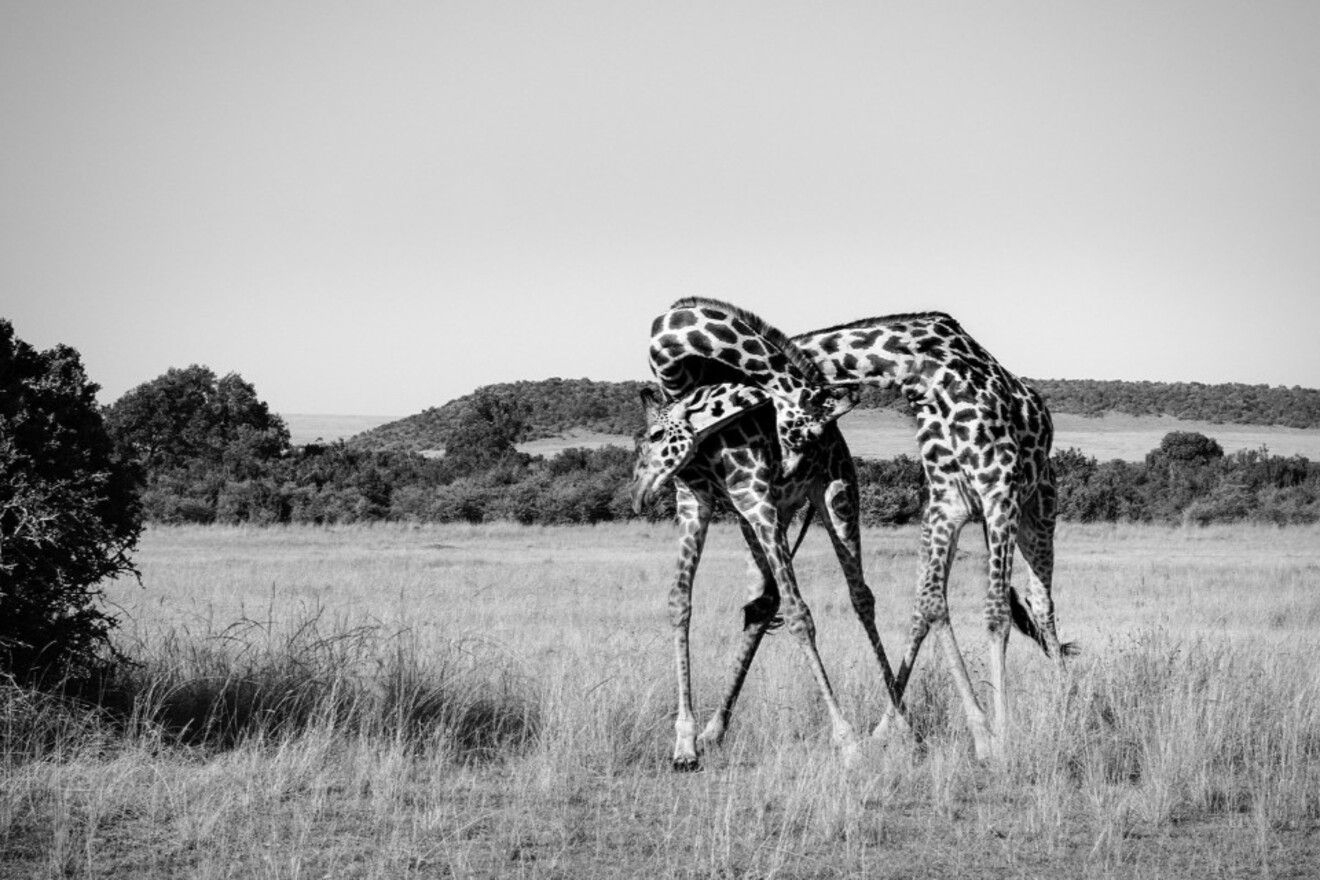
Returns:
<point x="69" y="514"/>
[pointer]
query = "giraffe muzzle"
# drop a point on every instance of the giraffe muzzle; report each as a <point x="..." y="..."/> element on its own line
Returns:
<point x="642" y="490"/>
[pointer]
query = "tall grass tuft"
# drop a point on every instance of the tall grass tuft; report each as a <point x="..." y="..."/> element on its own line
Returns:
<point x="262" y="681"/>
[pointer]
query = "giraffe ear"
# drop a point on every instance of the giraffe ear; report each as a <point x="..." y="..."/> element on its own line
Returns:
<point x="651" y="402"/>
<point x="711" y="408"/>
<point x="830" y="402"/>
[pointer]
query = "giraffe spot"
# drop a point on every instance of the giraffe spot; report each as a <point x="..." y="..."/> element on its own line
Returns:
<point x="866" y="339"/>
<point x="731" y="356"/>
<point x="929" y="345"/>
<point x="753" y="365"/>
<point x="698" y="342"/>
<point x="830" y="344"/>
<point x="849" y="362"/>
<point x="753" y="347"/>
<point x="895" y="345"/>
<point x="715" y="314"/>
<point x="880" y="366"/>
<point x="671" y="345"/>
<point x="723" y="333"/>
<point x="657" y="325"/>
<point x="679" y="320"/>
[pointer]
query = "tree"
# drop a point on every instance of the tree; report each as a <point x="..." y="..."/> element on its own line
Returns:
<point x="196" y="436"/>
<point x="1186" y="447"/>
<point x="186" y="415"/>
<point x="69" y="514"/>
<point x="485" y="434"/>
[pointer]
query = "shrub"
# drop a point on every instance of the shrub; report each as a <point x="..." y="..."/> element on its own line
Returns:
<point x="69" y="514"/>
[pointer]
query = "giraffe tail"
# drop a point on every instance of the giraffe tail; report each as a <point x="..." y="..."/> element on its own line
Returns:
<point x="806" y="524"/>
<point x="1026" y="623"/>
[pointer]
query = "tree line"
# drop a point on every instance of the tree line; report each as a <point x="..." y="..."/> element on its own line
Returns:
<point x="212" y="452"/>
<point x="552" y="406"/>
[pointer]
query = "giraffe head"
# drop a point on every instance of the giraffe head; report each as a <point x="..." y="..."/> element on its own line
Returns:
<point x="800" y="423"/>
<point x="675" y="428"/>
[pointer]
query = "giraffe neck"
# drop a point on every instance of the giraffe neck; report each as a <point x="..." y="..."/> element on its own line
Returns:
<point x="699" y="341"/>
<point x="912" y="352"/>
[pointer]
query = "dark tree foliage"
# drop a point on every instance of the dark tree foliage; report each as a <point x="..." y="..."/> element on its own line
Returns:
<point x="207" y="444"/>
<point x="892" y="492"/>
<point x="548" y="407"/>
<point x="238" y="467"/>
<point x="69" y="514"/>
<point x="553" y="406"/>
<point x="1233" y="403"/>
<point x="485" y="433"/>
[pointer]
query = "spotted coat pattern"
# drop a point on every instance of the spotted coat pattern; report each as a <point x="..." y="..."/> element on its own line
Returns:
<point x="735" y="457"/>
<point x="985" y="438"/>
<point x="701" y="341"/>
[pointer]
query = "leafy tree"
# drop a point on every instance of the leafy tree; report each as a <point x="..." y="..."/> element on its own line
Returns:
<point x="197" y="436"/>
<point x="187" y="415"/>
<point x="69" y="514"/>
<point x="1186" y="447"/>
<point x="485" y="435"/>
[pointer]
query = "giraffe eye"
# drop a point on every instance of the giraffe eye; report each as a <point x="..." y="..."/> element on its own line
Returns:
<point x="655" y="435"/>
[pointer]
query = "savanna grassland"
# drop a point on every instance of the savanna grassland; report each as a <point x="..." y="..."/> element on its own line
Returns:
<point x="494" y="700"/>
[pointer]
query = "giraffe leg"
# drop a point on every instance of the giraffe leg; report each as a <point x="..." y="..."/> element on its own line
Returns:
<point x="941" y="526"/>
<point x="1001" y="521"/>
<point x="758" y="615"/>
<point x="838" y="504"/>
<point x="694" y="513"/>
<point x="772" y="543"/>
<point x="925" y="614"/>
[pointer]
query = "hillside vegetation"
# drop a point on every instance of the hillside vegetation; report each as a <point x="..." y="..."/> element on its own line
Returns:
<point x="553" y="406"/>
<point x="211" y="452"/>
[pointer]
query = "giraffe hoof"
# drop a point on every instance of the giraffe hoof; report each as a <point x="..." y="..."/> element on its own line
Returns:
<point x="686" y="765"/>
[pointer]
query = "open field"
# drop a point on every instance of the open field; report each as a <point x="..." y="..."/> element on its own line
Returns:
<point x="885" y="433"/>
<point x="1184" y="743"/>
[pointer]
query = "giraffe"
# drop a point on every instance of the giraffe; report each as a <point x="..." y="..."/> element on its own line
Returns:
<point x="718" y="441"/>
<point x="701" y="341"/>
<point x="985" y="442"/>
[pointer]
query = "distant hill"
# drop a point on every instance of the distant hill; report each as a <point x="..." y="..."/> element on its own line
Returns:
<point x="550" y="406"/>
<point x="555" y="407"/>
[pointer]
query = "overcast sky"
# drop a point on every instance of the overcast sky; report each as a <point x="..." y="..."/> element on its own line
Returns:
<point x="376" y="207"/>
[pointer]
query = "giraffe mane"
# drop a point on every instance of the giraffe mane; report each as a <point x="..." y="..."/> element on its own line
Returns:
<point x="880" y="319"/>
<point x="769" y="332"/>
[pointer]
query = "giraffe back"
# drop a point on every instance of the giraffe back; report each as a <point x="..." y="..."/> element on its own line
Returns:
<point x="980" y="428"/>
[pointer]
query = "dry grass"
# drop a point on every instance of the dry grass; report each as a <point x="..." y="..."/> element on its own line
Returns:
<point x="496" y="701"/>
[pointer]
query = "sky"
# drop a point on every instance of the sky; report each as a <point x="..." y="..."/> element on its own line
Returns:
<point x="373" y="208"/>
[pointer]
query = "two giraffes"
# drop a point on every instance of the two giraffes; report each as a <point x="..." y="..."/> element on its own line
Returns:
<point x="748" y="414"/>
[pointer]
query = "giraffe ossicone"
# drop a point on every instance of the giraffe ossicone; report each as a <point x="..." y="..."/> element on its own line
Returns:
<point x="701" y="341"/>
<point x="720" y="441"/>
